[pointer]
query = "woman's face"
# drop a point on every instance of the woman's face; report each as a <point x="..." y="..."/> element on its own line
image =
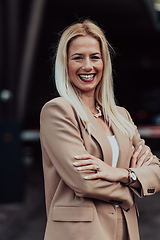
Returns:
<point x="85" y="64"/>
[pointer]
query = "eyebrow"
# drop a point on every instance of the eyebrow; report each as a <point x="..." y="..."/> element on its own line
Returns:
<point x="96" y="53"/>
<point x="80" y="54"/>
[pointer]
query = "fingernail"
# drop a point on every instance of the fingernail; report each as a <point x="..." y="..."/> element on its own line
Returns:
<point x="76" y="156"/>
<point x="79" y="168"/>
<point x="132" y="147"/>
<point x="147" y="151"/>
<point x="151" y="158"/>
<point x="140" y="146"/>
<point x="75" y="163"/>
<point x="86" y="177"/>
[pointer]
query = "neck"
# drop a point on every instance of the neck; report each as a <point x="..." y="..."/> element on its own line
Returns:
<point x="89" y="101"/>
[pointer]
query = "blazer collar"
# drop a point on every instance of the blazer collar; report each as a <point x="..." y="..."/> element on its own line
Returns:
<point x="100" y="136"/>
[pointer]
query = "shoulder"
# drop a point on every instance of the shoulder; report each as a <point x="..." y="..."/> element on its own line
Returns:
<point x="56" y="103"/>
<point x="126" y="115"/>
<point x="124" y="112"/>
<point x="59" y="101"/>
<point x="58" y="107"/>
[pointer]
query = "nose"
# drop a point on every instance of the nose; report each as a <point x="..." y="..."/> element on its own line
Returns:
<point x="87" y="65"/>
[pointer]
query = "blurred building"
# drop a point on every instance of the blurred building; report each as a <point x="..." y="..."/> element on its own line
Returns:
<point x="29" y="32"/>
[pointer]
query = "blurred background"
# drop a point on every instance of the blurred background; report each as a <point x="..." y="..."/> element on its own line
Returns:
<point x="29" y="33"/>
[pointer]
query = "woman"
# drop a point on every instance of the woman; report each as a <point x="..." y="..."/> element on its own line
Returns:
<point x="90" y="170"/>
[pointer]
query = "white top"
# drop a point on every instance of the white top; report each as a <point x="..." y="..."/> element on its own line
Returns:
<point x="115" y="150"/>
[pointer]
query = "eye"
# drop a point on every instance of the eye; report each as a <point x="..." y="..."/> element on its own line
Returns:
<point x="96" y="57"/>
<point x="77" y="58"/>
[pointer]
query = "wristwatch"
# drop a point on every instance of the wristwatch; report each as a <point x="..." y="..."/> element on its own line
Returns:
<point x="131" y="176"/>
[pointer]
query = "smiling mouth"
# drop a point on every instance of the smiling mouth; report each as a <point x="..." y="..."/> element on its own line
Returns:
<point x="87" y="78"/>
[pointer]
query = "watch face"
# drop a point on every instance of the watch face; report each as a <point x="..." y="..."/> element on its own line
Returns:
<point x="133" y="176"/>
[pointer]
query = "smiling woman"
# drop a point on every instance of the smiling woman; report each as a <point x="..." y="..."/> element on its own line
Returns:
<point x="93" y="157"/>
<point x="104" y="95"/>
<point x="85" y="64"/>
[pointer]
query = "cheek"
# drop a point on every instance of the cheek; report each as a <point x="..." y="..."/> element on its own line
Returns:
<point x="72" y="70"/>
<point x="100" y="66"/>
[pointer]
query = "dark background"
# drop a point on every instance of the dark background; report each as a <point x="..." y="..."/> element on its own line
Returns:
<point x="29" y="33"/>
<point x="131" y="27"/>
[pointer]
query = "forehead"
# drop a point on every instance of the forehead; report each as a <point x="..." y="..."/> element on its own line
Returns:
<point x="84" y="43"/>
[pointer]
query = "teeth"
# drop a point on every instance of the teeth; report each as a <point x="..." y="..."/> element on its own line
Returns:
<point x="87" y="76"/>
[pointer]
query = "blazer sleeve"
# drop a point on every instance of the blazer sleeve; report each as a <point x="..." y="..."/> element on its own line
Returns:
<point x="61" y="139"/>
<point x="148" y="176"/>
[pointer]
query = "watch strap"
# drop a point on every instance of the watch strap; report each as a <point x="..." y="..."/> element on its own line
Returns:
<point x="130" y="179"/>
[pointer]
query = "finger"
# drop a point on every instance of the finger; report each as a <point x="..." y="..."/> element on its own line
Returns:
<point x="133" y="162"/>
<point x="137" y="152"/>
<point x="141" y="160"/>
<point x="90" y="177"/>
<point x="83" y="157"/>
<point x="134" y="156"/>
<point x="84" y="162"/>
<point x="133" y="148"/>
<point x="88" y="167"/>
<point x="148" y="162"/>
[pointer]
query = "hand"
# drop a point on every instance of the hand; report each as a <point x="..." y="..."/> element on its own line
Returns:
<point x="135" y="162"/>
<point x="101" y="169"/>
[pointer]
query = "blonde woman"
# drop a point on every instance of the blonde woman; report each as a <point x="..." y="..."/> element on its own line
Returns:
<point x="93" y="157"/>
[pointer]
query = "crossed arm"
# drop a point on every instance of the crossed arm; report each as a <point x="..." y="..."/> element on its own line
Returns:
<point x="62" y="141"/>
<point x="141" y="159"/>
<point x="104" y="171"/>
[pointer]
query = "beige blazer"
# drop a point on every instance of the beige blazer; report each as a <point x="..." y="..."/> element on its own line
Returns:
<point x="79" y="209"/>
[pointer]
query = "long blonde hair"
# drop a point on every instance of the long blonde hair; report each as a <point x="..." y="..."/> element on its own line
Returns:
<point x="104" y="92"/>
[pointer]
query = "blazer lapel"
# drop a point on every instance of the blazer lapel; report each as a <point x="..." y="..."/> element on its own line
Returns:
<point x="124" y="146"/>
<point x="99" y="135"/>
